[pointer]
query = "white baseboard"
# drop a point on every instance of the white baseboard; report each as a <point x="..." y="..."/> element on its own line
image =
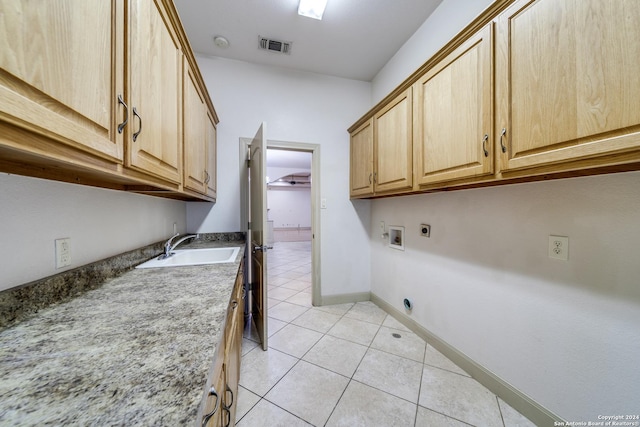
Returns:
<point x="345" y="298"/>
<point x="528" y="407"/>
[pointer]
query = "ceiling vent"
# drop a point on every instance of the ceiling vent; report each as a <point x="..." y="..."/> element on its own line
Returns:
<point x="275" y="45"/>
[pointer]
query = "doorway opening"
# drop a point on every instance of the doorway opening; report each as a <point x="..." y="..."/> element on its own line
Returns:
<point x="293" y="199"/>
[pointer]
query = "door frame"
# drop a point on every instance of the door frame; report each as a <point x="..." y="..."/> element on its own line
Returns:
<point x="314" y="149"/>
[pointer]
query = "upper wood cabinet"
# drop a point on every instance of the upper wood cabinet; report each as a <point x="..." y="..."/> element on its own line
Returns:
<point x="568" y="85"/>
<point x="92" y="93"/>
<point x="155" y="96"/>
<point x="361" y="160"/>
<point x="195" y="135"/>
<point x="60" y="76"/>
<point x="453" y="130"/>
<point x="212" y="155"/>
<point x="393" y="147"/>
<point x="382" y="150"/>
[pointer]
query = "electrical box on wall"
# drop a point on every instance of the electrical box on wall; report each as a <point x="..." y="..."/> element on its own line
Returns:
<point x="396" y="237"/>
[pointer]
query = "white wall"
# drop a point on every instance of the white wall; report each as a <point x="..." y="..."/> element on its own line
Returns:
<point x="298" y="107"/>
<point x="443" y="24"/>
<point x="565" y="333"/>
<point x="289" y="206"/>
<point x="101" y="223"/>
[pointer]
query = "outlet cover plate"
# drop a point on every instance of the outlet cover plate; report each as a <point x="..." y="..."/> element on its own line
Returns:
<point x="559" y="247"/>
<point x="63" y="252"/>
<point x="425" y="230"/>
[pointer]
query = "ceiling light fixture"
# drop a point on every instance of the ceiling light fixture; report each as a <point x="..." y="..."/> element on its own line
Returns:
<point x="312" y="8"/>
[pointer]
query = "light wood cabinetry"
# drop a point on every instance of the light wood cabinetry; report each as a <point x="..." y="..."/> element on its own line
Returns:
<point x="567" y="82"/>
<point x="453" y="135"/>
<point x="60" y="77"/>
<point x="393" y="147"/>
<point x="382" y="150"/>
<point x="92" y="93"/>
<point x="212" y="155"/>
<point x="226" y="370"/>
<point x="195" y="135"/>
<point x="361" y="160"/>
<point x="155" y="96"/>
<point x="563" y="102"/>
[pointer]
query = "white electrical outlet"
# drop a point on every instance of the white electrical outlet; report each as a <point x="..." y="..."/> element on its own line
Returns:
<point x="425" y="230"/>
<point x="559" y="247"/>
<point x="63" y="252"/>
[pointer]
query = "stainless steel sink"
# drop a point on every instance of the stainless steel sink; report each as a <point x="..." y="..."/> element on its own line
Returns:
<point x="185" y="257"/>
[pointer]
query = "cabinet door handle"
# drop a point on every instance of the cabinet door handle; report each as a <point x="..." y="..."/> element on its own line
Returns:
<point x="207" y="417"/>
<point x="234" y="304"/>
<point x="135" y="113"/>
<point x="207" y="177"/>
<point x="502" y="134"/>
<point x="375" y="177"/>
<point x="484" y="143"/>
<point x="227" y="408"/>
<point x="126" y="113"/>
<point x="370" y="177"/>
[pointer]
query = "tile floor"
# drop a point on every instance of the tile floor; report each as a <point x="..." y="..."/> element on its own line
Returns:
<point x="350" y="365"/>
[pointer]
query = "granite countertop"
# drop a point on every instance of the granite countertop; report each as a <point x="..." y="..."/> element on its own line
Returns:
<point x="135" y="351"/>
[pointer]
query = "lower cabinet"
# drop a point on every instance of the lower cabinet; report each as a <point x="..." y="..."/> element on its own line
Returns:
<point x="220" y="407"/>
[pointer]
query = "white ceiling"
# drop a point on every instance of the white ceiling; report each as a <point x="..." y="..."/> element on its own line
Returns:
<point x="354" y="40"/>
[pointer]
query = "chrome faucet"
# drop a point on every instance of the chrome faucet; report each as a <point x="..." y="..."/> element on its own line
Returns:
<point x="169" y="247"/>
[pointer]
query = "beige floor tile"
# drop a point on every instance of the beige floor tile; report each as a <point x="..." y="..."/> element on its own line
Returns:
<point x="296" y="285"/>
<point x="281" y="293"/>
<point x="391" y="322"/>
<point x="339" y="309"/>
<point x="317" y="320"/>
<point x="364" y="406"/>
<point x="260" y="370"/>
<point x="393" y="374"/>
<point x="274" y="325"/>
<point x="354" y="330"/>
<point x="401" y="343"/>
<point x="292" y="275"/>
<point x="246" y="400"/>
<point x="428" y="418"/>
<point x="286" y="311"/>
<point x="368" y="312"/>
<point x="308" y="391"/>
<point x="277" y="280"/>
<point x="459" y="397"/>
<point x="433" y="357"/>
<point x="248" y="345"/>
<point x="337" y="355"/>
<point x="266" y="414"/>
<point x="272" y="302"/>
<point x="294" y="340"/>
<point x="511" y="417"/>
<point x="301" y="298"/>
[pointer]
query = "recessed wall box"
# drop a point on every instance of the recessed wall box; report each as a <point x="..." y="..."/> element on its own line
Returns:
<point x="396" y="237"/>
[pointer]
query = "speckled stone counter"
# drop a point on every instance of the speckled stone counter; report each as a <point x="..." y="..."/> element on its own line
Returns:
<point x="135" y="351"/>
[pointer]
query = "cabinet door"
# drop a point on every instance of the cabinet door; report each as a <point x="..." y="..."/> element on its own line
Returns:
<point x="453" y="111"/>
<point x="61" y="69"/>
<point x="212" y="156"/>
<point x="567" y="81"/>
<point x="393" y="147"/>
<point x="232" y="354"/>
<point x="361" y="160"/>
<point x="195" y="135"/>
<point x="154" y="143"/>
